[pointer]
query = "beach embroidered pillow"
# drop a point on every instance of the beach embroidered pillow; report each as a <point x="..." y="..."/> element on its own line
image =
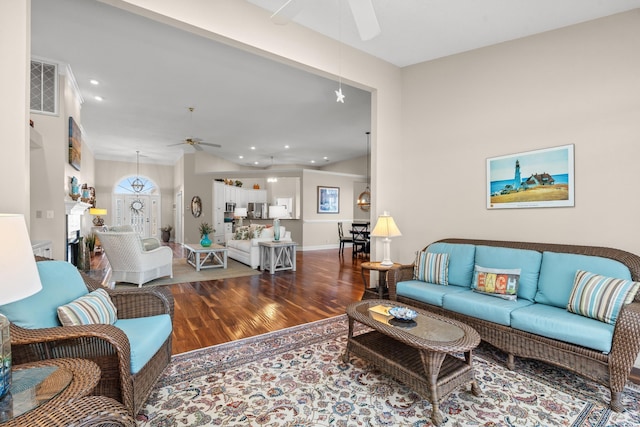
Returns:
<point x="600" y="297"/>
<point x="502" y="283"/>
<point x="432" y="268"/>
<point x="93" y="308"/>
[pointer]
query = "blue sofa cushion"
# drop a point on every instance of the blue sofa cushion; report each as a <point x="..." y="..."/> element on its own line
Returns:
<point x="600" y="297"/>
<point x="558" y="271"/>
<point x="146" y="335"/>
<point x="558" y="323"/>
<point x="461" y="261"/>
<point x="483" y="307"/>
<point x="431" y="267"/>
<point x="506" y="258"/>
<point x="61" y="283"/>
<point x="426" y="292"/>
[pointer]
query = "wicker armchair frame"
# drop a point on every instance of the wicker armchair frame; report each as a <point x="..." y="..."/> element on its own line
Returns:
<point x="105" y="345"/>
<point x="611" y="370"/>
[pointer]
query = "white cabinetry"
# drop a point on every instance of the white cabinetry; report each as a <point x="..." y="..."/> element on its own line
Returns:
<point x="219" y="193"/>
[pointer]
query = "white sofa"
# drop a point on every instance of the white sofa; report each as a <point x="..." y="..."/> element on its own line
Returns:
<point x="242" y="245"/>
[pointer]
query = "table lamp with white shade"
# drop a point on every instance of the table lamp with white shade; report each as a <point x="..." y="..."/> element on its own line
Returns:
<point x="19" y="278"/>
<point x="386" y="227"/>
<point x="240" y="213"/>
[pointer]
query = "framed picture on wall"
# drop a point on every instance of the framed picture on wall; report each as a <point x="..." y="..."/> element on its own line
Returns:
<point x="328" y="199"/>
<point x="532" y="179"/>
<point x="75" y="144"/>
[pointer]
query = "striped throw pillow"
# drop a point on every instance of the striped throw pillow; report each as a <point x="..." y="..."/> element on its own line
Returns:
<point x="95" y="307"/>
<point x="431" y="267"/>
<point x="600" y="297"/>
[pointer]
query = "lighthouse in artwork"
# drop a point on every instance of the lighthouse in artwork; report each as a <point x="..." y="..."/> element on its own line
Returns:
<point x="517" y="180"/>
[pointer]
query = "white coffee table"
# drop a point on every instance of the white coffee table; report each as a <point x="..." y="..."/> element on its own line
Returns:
<point x="201" y="257"/>
<point x="277" y="256"/>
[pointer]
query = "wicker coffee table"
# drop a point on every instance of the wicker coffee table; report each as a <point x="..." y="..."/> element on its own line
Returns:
<point x="418" y="353"/>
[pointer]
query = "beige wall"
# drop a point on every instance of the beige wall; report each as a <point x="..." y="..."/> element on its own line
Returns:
<point x="15" y="50"/>
<point x="579" y="85"/>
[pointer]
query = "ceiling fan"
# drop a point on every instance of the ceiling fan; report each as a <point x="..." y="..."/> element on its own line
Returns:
<point x="363" y="13"/>
<point x="196" y="143"/>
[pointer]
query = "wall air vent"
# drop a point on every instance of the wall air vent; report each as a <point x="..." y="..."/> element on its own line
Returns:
<point x="44" y="87"/>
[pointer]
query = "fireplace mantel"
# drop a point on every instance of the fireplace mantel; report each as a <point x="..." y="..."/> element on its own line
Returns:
<point x="76" y="208"/>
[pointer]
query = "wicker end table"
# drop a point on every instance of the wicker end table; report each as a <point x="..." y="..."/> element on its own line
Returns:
<point x="381" y="291"/>
<point x="419" y="353"/>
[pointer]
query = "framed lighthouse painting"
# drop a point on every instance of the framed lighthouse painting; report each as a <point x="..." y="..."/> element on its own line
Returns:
<point x="533" y="179"/>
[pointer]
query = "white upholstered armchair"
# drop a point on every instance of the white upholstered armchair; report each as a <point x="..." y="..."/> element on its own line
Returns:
<point x="129" y="260"/>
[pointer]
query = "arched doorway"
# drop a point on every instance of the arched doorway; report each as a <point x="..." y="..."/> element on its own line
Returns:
<point x="136" y="202"/>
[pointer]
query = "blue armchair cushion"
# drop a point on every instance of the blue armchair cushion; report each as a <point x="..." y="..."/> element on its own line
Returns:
<point x="146" y="335"/>
<point x="61" y="283"/>
<point x="92" y="308"/>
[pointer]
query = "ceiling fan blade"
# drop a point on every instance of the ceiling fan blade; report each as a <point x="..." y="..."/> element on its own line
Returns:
<point x="173" y="145"/>
<point x="365" y="17"/>
<point x="197" y="147"/>
<point x="210" y="144"/>
<point x="287" y="12"/>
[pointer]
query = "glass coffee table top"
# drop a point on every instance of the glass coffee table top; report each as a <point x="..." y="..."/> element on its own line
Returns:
<point x="425" y="326"/>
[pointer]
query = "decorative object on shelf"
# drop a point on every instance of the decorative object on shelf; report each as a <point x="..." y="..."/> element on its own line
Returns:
<point x="386" y="227"/>
<point x="98" y="221"/>
<point x="256" y="186"/>
<point x="205" y="230"/>
<point x="75" y="189"/>
<point x="86" y="196"/>
<point x="276" y="212"/>
<point x="240" y="213"/>
<point x="328" y="199"/>
<point x="166" y="233"/>
<point x="137" y="207"/>
<point x="137" y="183"/>
<point x="238" y="183"/>
<point x="364" y="199"/>
<point x="75" y="144"/>
<point x="19" y="278"/>
<point x="196" y="206"/>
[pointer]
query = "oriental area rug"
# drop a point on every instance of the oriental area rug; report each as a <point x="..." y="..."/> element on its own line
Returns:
<point x="296" y="377"/>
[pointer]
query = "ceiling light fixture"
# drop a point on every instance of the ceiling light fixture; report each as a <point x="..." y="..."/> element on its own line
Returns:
<point x="339" y="94"/>
<point x="98" y="98"/>
<point x="364" y="199"/>
<point x="137" y="183"/>
<point x="94" y="82"/>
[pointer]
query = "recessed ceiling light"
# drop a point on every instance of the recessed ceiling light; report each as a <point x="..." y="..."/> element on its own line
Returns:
<point x="241" y="157"/>
<point x="94" y="82"/>
<point x="325" y="158"/>
<point x="313" y="161"/>
<point x="97" y="98"/>
<point x="253" y="148"/>
<point x="256" y="163"/>
<point x="286" y="147"/>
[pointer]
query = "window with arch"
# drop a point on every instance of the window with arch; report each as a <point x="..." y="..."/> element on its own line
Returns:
<point x="135" y="185"/>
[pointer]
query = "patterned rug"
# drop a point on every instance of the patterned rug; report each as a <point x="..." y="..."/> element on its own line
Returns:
<point x="295" y="377"/>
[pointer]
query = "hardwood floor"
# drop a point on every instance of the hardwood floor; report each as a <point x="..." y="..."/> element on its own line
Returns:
<point x="218" y="311"/>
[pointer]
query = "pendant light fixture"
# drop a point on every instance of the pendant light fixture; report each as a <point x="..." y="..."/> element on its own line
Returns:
<point x="364" y="199"/>
<point x="137" y="185"/>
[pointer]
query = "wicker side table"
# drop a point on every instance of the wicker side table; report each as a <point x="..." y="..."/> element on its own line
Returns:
<point x="381" y="290"/>
<point x="62" y="398"/>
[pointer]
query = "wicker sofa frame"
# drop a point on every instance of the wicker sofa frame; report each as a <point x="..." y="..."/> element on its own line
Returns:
<point x="105" y="345"/>
<point x="611" y="370"/>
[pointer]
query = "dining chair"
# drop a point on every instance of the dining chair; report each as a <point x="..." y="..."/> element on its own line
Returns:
<point x="343" y="239"/>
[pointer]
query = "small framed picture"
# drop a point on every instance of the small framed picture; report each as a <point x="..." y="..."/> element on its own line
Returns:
<point x="328" y="199"/>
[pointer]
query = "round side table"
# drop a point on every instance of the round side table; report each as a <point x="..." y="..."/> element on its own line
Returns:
<point x="381" y="290"/>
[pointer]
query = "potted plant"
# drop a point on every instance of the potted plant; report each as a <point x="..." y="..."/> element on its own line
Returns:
<point x="205" y="230"/>
<point x="90" y="241"/>
<point x="166" y="233"/>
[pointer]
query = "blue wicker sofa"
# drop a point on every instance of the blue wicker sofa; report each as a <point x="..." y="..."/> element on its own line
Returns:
<point x="563" y="310"/>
